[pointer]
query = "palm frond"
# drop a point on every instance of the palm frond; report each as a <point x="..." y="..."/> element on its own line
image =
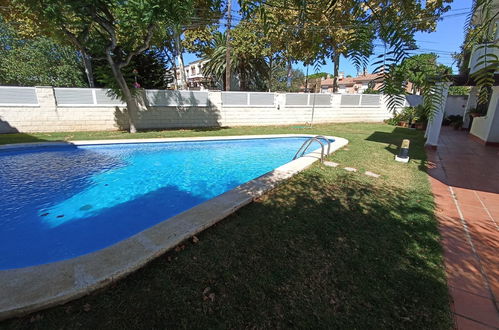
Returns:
<point x="481" y="33"/>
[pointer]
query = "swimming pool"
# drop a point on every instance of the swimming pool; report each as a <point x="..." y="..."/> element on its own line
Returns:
<point x="65" y="201"/>
<point x="112" y="204"/>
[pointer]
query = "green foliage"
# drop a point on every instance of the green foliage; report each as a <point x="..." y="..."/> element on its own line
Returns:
<point x="459" y="90"/>
<point x="455" y="121"/>
<point x="318" y="75"/>
<point x="424" y="73"/>
<point x="409" y="115"/>
<point x="481" y="38"/>
<point x="423" y="69"/>
<point x="148" y="69"/>
<point x="325" y="250"/>
<point x="115" y="30"/>
<point x="280" y="77"/>
<point x="38" y="61"/>
<point x="250" y="68"/>
<point x="372" y="91"/>
<point x="433" y="99"/>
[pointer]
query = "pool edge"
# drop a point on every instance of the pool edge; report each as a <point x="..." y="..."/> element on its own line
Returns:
<point x="38" y="287"/>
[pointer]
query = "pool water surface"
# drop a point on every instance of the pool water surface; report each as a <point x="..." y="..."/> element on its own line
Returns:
<point x="62" y="202"/>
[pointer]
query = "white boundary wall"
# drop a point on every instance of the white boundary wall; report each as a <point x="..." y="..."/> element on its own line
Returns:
<point x="76" y="109"/>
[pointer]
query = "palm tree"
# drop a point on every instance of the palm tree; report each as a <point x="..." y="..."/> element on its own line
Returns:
<point x="250" y="70"/>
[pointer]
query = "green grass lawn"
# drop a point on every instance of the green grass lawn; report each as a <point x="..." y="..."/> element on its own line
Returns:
<point x="326" y="249"/>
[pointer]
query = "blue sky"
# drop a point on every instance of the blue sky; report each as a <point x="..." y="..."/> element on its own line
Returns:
<point x="445" y="40"/>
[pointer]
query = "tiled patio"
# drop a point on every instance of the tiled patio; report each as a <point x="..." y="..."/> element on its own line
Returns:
<point x="465" y="181"/>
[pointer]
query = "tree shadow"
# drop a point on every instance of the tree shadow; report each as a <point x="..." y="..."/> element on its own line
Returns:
<point x="462" y="162"/>
<point x="446" y="164"/>
<point x="121" y="118"/>
<point x="333" y="251"/>
<point x="394" y="138"/>
<point x="10" y="134"/>
<point x="173" y="109"/>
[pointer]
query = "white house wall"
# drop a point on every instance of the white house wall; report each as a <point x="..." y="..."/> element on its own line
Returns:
<point x="487" y="127"/>
<point x="455" y="105"/>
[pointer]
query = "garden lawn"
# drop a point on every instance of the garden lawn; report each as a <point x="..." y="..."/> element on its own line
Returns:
<point x="327" y="249"/>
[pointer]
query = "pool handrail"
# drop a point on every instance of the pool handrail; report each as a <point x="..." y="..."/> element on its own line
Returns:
<point x="307" y="144"/>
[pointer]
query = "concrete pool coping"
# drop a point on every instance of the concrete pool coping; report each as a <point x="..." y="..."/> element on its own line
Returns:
<point x="25" y="290"/>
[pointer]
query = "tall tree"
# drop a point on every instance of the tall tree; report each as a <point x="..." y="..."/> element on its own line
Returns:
<point x="421" y="70"/>
<point x="481" y="38"/>
<point x="29" y="26"/>
<point x="205" y="17"/>
<point x="280" y="79"/>
<point x="37" y="61"/>
<point x="247" y="63"/>
<point x="330" y="28"/>
<point x="119" y="30"/>
<point x="148" y="70"/>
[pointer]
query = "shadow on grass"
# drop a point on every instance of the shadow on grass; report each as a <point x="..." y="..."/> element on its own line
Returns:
<point x="326" y="250"/>
<point x="10" y="134"/>
<point x="394" y="140"/>
<point x="210" y="129"/>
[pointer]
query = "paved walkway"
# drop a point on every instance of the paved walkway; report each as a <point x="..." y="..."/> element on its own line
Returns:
<point x="464" y="177"/>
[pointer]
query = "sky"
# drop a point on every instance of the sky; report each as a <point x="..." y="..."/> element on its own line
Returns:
<point x="445" y="40"/>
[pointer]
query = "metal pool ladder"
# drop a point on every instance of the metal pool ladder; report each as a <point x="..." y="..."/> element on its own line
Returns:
<point x="309" y="142"/>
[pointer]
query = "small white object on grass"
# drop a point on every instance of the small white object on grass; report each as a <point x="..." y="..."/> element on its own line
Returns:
<point x="374" y="175"/>
<point x="350" y="169"/>
<point x="330" y="164"/>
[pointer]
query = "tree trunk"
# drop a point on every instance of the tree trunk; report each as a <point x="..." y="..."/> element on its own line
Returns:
<point x="178" y="48"/>
<point x="87" y="64"/>
<point x="131" y="101"/>
<point x="336" y="67"/>
<point x="243" y="81"/>
<point x="306" y="81"/>
<point x="270" y="74"/>
<point x="288" y="82"/>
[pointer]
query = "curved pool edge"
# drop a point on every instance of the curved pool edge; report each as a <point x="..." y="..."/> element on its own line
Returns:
<point x="29" y="289"/>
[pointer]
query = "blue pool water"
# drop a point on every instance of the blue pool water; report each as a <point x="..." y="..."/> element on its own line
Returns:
<point x="61" y="202"/>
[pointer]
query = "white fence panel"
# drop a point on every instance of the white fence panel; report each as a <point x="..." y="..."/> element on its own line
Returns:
<point x="235" y="98"/>
<point x="296" y="99"/>
<point x="104" y="97"/>
<point x="18" y="96"/>
<point x="368" y="100"/>
<point x="167" y="98"/>
<point x="321" y="100"/>
<point x="262" y="99"/>
<point x="74" y="97"/>
<point x="350" y="100"/>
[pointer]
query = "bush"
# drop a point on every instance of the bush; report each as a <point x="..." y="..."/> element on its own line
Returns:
<point x="406" y="115"/>
<point x="409" y="115"/>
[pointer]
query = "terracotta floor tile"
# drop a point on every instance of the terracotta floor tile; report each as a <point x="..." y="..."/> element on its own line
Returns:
<point x="484" y="195"/>
<point x="472" y="268"/>
<point x="468" y="201"/>
<point x="466" y="324"/>
<point x="483" y="230"/>
<point x="495" y="215"/>
<point x="489" y="261"/>
<point x="490" y="205"/>
<point x="475" y="307"/>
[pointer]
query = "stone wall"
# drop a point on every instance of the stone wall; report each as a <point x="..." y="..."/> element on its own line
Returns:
<point x="48" y="117"/>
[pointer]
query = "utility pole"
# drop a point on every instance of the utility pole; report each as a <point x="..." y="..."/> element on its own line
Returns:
<point x="227" y="47"/>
